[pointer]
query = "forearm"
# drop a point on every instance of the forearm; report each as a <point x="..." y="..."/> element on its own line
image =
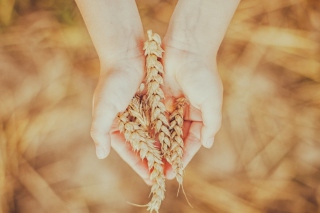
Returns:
<point x="114" y="26"/>
<point x="200" y="24"/>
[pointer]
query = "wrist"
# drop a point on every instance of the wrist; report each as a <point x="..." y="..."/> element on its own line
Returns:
<point x="125" y="49"/>
<point x="201" y="25"/>
<point x="190" y="45"/>
<point x="114" y="26"/>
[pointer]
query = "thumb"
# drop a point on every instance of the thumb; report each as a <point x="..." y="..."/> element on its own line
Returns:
<point x="211" y="119"/>
<point x="113" y="94"/>
<point x="203" y="87"/>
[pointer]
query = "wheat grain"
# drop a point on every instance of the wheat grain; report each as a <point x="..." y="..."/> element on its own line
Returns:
<point x="155" y="95"/>
<point x="134" y="124"/>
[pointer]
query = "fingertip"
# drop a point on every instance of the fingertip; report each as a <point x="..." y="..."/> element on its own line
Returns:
<point x="102" y="143"/>
<point x="205" y="135"/>
<point x="170" y="174"/>
<point x="148" y="181"/>
<point x="208" y="143"/>
<point x="101" y="152"/>
<point x="103" y="116"/>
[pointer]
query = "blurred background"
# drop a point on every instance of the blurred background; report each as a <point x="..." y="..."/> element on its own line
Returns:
<point x="266" y="157"/>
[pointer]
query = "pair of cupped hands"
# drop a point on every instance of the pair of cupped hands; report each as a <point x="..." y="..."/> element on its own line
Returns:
<point x="189" y="72"/>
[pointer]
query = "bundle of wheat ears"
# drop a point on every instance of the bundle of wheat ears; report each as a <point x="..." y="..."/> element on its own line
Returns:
<point x="145" y="121"/>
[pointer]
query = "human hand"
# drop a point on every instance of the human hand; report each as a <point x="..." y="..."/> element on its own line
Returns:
<point x="119" y="80"/>
<point x="194" y="75"/>
<point x="117" y="34"/>
<point x="186" y="73"/>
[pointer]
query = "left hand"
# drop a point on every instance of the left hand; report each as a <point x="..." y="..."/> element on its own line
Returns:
<point x="195" y="76"/>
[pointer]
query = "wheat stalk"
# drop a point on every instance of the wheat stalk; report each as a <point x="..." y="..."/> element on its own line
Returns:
<point x="145" y="119"/>
<point x="155" y="95"/>
<point x="134" y="124"/>
<point x="176" y="133"/>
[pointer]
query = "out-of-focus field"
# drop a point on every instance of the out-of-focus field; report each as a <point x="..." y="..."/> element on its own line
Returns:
<point x="266" y="157"/>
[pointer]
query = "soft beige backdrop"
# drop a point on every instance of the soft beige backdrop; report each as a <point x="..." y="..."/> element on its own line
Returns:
<point x="266" y="157"/>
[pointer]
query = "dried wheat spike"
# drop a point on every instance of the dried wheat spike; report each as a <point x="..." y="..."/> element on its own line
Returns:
<point x="176" y="133"/>
<point x="155" y="95"/>
<point x="134" y="124"/>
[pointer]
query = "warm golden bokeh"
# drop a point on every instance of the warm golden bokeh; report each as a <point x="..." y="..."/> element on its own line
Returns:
<point x="266" y="157"/>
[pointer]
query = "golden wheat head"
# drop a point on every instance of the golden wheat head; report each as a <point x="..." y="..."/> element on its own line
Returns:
<point x="155" y="95"/>
<point x="134" y="125"/>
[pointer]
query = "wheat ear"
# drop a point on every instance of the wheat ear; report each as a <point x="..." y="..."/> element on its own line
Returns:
<point x="155" y="95"/>
<point x="134" y="124"/>
<point x="176" y="133"/>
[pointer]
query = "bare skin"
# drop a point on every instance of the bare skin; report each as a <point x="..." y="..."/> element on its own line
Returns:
<point x="191" y="43"/>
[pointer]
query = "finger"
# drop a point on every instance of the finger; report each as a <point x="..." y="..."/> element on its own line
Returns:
<point x="100" y="127"/>
<point x="210" y="108"/>
<point x="124" y="150"/>
<point x="191" y="146"/>
<point x="203" y="87"/>
<point x="192" y="113"/>
<point x="211" y="118"/>
<point x="112" y="95"/>
<point x="192" y="143"/>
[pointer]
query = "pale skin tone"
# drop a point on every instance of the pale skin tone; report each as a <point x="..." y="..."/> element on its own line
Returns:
<point x="191" y="43"/>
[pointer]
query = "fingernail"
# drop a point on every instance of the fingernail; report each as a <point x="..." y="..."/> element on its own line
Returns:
<point x="101" y="153"/>
<point x="209" y="142"/>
